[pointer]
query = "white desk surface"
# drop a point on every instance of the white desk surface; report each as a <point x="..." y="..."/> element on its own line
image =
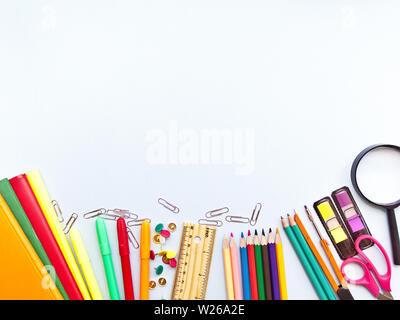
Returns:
<point x="84" y="86"/>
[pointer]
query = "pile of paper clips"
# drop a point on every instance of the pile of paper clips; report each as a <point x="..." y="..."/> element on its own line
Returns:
<point x="211" y="215"/>
<point x="113" y="214"/>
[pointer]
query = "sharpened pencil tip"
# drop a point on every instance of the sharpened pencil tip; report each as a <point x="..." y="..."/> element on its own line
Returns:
<point x="305" y="207"/>
<point x="231" y="234"/>
<point x="249" y="233"/>
<point x="263" y="232"/>
<point x="270" y="230"/>
<point x="255" y="232"/>
<point x="242" y="235"/>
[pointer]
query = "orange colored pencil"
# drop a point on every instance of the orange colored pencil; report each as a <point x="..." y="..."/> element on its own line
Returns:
<point x="316" y="253"/>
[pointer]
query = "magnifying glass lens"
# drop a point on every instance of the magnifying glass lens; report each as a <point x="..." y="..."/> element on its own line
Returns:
<point x="378" y="175"/>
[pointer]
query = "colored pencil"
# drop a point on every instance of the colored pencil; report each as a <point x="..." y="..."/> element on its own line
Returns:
<point x="281" y="266"/>
<point x="245" y="269"/>
<point x="252" y="268"/>
<point x="259" y="267"/>
<point x="237" y="286"/>
<point x="316" y="253"/>
<point x="267" y="273"/>
<point x="273" y="266"/>
<point x="306" y="265"/>
<point x="228" y="270"/>
<point x="328" y="252"/>
<point x="313" y="261"/>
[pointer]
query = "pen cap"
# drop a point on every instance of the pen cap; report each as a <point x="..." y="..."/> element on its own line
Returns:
<point x="122" y="237"/>
<point x="103" y="237"/>
<point x="145" y="240"/>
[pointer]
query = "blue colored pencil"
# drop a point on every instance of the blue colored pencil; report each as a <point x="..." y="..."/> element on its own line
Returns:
<point x="245" y="269"/>
<point x="273" y="266"/>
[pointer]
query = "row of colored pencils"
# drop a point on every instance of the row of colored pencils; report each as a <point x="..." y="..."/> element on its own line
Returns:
<point x="262" y="268"/>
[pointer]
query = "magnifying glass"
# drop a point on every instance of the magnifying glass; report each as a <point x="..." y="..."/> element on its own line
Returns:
<point x="375" y="175"/>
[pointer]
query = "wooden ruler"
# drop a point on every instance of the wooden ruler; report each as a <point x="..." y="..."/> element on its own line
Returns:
<point x="195" y="253"/>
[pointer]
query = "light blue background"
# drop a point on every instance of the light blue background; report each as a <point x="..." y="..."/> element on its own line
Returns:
<point x="83" y="82"/>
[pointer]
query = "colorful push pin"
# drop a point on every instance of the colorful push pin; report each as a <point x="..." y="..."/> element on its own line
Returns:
<point x="165" y="233"/>
<point x="171" y="254"/>
<point x="172" y="262"/>
<point x="162" y="282"/>
<point x="152" y="284"/>
<point x="172" y="227"/>
<point x="156" y="238"/>
<point x="152" y="255"/>
<point x="165" y="259"/>
<point x="159" y="227"/>
<point x="162" y="253"/>
<point x="161" y="239"/>
<point x="159" y="270"/>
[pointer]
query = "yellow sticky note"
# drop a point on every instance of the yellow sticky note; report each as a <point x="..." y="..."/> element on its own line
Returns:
<point x="326" y="210"/>
<point x="338" y="234"/>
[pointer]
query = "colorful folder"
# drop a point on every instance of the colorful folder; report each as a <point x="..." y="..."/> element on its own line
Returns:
<point x="22" y="274"/>
<point x="15" y="206"/>
<point x="35" y="215"/>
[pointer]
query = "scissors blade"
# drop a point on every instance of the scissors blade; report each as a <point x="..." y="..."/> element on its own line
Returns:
<point x="386" y="295"/>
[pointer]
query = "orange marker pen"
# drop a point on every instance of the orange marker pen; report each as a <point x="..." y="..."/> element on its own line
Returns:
<point x="144" y="260"/>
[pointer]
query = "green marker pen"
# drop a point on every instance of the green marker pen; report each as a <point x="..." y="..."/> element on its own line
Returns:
<point x="107" y="260"/>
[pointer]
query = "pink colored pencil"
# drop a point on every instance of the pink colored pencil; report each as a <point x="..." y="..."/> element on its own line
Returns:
<point x="237" y="284"/>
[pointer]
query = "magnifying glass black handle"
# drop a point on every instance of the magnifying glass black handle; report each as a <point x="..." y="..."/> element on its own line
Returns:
<point x="394" y="236"/>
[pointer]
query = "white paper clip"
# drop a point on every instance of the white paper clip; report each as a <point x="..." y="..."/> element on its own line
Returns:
<point x="58" y="210"/>
<point x="256" y="212"/>
<point x="168" y="205"/>
<point x="70" y="222"/>
<point x="237" y="219"/>
<point x="132" y="238"/>
<point x="216" y="212"/>
<point x="122" y="213"/>
<point x="208" y="222"/>
<point x="138" y="222"/>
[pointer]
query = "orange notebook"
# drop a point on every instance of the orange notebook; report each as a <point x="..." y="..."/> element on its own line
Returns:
<point x="22" y="274"/>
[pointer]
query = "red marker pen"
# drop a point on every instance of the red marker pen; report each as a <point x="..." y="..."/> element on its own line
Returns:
<point x="125" y="261"/>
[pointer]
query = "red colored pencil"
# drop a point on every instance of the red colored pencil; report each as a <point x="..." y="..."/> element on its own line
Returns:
<point x="252" y="268"/>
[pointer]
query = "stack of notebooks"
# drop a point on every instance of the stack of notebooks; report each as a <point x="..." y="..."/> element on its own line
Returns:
<point x="37" y="261"/>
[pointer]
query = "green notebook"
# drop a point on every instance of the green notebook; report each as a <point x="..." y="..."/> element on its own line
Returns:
<point x="13" y="203"/>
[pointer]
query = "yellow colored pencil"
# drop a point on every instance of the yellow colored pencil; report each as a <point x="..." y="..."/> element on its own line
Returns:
<point x="281" y="266"/>
<point x="228" y="270"/>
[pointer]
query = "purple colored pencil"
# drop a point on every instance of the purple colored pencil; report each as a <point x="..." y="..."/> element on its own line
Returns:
<point x="273" y="266"/>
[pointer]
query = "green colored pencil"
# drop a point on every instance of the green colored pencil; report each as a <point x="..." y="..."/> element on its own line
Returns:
<point x="259" y="267"/>
<point x="311" y="258"/>
<point x="303" y="259"/>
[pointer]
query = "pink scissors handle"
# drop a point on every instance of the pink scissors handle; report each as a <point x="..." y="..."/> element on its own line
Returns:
<point x="383" y="279"/>
<point x="366" y="280"/>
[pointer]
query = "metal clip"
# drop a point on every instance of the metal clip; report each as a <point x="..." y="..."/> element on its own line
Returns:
<point x="70" y="222"/>
<point x="95" y="213"/>
<point x="217" y="212"/>
<point x="58" y="210"/>
<point x="253" y="220"/>
<point x="237" y="219"/>
<point x="168" y="205"/>
<point x="132" y="238"/>
<point x="138" y="222"/>
<point x="213" y="223"/>
<point x="122" y="213"/>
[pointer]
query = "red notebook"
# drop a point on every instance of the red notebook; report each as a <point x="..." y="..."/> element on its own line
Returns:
<point x="35" y="215"/>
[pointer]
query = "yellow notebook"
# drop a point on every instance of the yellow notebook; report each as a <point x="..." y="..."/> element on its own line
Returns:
<point x="40" y="191"/>
<point x="22" y="274"/>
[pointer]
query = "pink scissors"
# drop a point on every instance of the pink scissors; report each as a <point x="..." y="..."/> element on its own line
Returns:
<point x="367" y="279"/>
